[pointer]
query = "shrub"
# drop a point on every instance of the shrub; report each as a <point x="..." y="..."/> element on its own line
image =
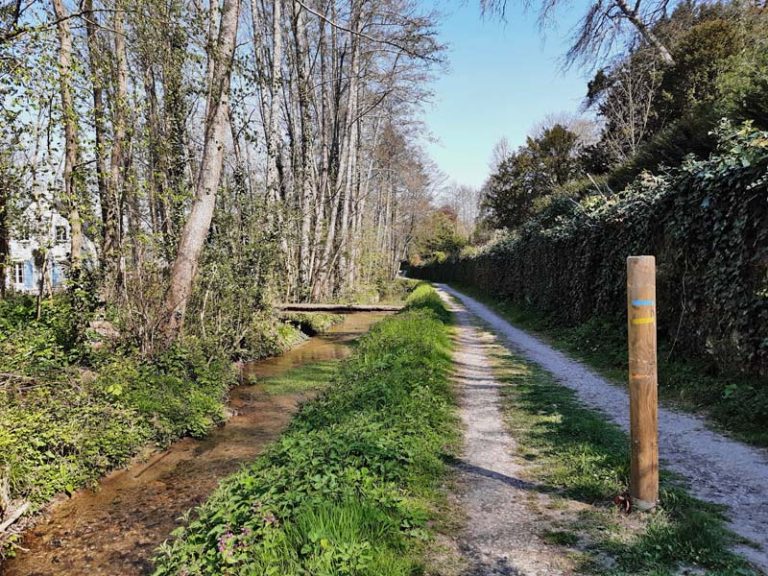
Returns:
<point x="707" y="223"/>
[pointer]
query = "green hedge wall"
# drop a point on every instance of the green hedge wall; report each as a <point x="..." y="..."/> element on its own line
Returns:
<point x="705" y="221"/>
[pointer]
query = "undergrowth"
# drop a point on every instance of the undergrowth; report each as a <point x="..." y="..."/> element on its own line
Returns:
<point x="736" y="402"/>
<point x="71" y="411"/>
<point x="576" y="453"/>
<point x="351" y="486"/>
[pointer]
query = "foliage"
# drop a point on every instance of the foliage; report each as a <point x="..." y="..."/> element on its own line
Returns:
<point x="574" y="451"/>
<point x="438" y="236"/>
<point x="268" y="336"/>
<point x="348" y="489"/>
<point x="705" y="222"/>
<point x="657" y="114"/>
<point x="68" y="414"/>
<point x="534" y="171"/>
<point x="397" y="291"/>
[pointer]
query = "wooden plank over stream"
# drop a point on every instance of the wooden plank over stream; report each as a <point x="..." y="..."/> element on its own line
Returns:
<point x="338" y="308"/>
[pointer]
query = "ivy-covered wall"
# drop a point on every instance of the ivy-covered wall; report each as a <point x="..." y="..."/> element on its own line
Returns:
<point x="705" y="221"/>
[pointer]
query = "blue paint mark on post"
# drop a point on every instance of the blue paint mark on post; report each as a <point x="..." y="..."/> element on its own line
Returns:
<point x="642" y="302"/>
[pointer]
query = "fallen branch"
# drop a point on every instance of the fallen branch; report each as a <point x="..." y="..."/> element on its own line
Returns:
<point x="14" y="516"/>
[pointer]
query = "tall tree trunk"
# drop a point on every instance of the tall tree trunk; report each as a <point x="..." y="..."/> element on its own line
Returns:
<point x="305" y="173"/>
<point x="71" y="148"/>
<point x="113" y="216"/>
<point x="331" y="97"/>
<point x="198" y="223"/>
<point x="99" y="119"/>
<point x="646" y="32"/>
<point x="5" y="248"/>
<point x="350" y="174"/>
<point x="171" y="132"/>
<point x="275" y="88"/>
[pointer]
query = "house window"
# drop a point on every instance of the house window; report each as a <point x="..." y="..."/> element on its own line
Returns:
<point x="18" y="272"/>
<point x="61" y="233"/>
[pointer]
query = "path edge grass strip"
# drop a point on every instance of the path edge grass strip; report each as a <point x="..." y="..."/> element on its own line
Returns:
<point x="731" y="402"/>
<point x="574" y="452"/>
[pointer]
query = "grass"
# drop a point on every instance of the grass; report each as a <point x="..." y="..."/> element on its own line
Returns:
<point x="353" y="484"/>
<point x="312" y="377"/>
<point x="576" y="454"/>
<point x="736" y="403"/>
<point x="311" y="323"/>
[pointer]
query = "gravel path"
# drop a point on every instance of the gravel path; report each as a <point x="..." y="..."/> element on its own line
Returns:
<point x="501" y="535"/>
<point x="718" y="469"/>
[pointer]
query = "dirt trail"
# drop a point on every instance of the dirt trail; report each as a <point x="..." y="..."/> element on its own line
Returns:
<point x="718" y="469"/>
<point x="502" y="531"/>
<point x="115" y="529"/>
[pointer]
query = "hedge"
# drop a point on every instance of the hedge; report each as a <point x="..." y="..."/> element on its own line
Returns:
<point x="705" y="221"/>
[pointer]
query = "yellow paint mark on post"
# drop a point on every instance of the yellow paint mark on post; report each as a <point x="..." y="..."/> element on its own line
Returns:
<point x="647" y="320"/>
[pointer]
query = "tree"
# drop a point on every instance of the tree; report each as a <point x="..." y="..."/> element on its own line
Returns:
<point x="72" y="179"/>
<point x="537" y="169"/>
<point x="625" y="98"/>
<point x="604" y="23"/>
<point x="464" y="201"/>
<point x="555" y="156"/>
<point x="198" y="223"/>
<point x="438" y="236"/>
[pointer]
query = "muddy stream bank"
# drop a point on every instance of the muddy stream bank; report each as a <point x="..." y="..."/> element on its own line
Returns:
<point x="114" y="529"/>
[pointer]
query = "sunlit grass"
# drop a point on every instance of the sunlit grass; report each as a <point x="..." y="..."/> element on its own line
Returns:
<point x="312" y="377"/>
<point x="575" y="453"/>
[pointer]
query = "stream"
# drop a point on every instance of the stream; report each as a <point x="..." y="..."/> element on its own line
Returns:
<point x="114" y="529"/>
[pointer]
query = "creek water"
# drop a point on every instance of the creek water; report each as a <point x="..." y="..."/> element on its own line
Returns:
<point x="114" y="529"/>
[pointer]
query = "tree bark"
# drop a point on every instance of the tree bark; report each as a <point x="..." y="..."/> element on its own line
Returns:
<point x="113" y="218"/>
<point x="198" y="224"/>
<point x="275" y="87"/>
<point x="99" y="120"/>
<point x="5" y="248"/>
<point x="646" y="33"/>
<point x="351" y="162"/>
<point x="305" y="173"/>
<point x="71" y="147"/>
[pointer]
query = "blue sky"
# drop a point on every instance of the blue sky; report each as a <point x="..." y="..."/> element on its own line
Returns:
<point x="503" y="79"/>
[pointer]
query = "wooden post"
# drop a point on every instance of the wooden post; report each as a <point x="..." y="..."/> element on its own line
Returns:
<point x="643" y="382"/>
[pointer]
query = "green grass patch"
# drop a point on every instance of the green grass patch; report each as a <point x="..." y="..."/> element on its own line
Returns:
<point x="307" y="378"/>
<point x="311" y="323"/>
<point x="576" y="453"/>
<point x="738" y="404"/>
<point x="350" y="488"/>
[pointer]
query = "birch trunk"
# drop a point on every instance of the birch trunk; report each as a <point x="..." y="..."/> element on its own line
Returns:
<point x="351" y="164"/>
<point x="198" y="223"/>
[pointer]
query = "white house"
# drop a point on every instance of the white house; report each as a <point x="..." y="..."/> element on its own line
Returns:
<point x="41" y="226"/>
